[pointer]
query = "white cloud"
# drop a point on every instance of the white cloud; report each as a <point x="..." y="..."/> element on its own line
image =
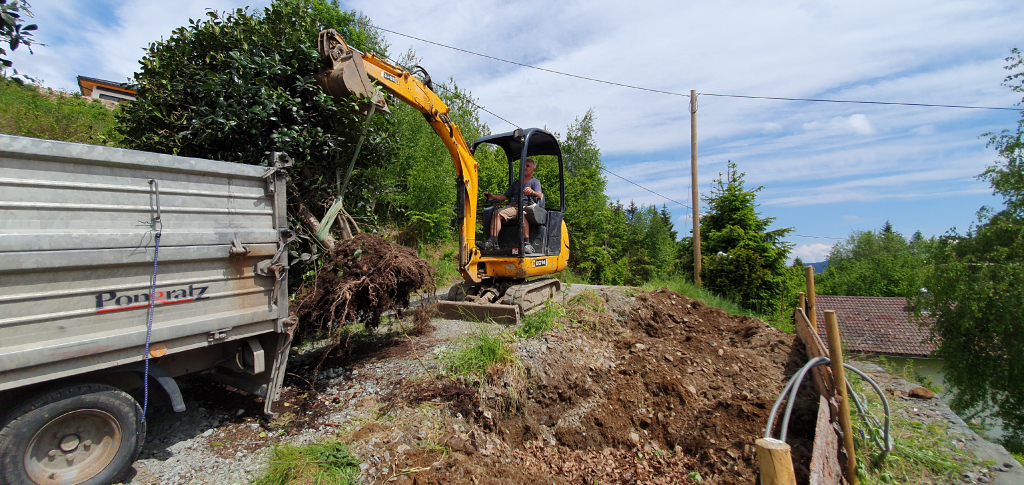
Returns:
<point x="851" y="218"/>
<point x="811" y="253"/>
<point x="855" y="123"/>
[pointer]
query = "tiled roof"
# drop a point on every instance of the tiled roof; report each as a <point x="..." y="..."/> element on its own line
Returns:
<point x="876" y="325"/>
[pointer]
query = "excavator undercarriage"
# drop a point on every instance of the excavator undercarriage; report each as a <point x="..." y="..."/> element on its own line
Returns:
<point x="498" y="300"/>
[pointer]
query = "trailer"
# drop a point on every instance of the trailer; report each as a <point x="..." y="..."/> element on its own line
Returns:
<point x="119" y="271"/>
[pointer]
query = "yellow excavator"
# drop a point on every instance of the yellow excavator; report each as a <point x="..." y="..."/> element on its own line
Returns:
<point x="496" y="285"/>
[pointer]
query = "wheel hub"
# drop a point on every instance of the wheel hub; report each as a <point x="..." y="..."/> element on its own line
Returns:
<point x="73" y="448"/>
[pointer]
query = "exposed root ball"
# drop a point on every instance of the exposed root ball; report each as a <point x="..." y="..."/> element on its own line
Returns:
<point x="365" y="277"/>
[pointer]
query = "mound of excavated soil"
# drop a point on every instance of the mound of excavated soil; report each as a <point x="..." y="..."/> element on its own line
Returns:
<point x="651" y="392"/>
<point x="364" y="277"/>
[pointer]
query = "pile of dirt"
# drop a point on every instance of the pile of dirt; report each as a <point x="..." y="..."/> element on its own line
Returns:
<point x="364" y="278"/>
<point x="660" y="388"/>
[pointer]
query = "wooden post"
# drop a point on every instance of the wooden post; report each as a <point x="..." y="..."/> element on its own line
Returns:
<point x="803" y="304"/>
<point x="775" y="462"/>
<point x="693" y="184"/>
<point x="812" y="313"/>
<point x="835" y="351"/>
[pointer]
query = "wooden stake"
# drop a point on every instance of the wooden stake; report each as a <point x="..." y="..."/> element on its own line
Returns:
<point x="812" y="313"/>
<point x="803" y="304"/>
<point x="775" y="462"/>
<point x="693" y="185"/>
<point x="835" y="351"/>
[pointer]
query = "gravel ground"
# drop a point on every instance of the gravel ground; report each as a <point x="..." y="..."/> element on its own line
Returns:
<point x="222" y="439"/>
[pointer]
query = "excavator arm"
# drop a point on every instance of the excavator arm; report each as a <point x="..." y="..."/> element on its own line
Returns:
<point x="345" y="72"/>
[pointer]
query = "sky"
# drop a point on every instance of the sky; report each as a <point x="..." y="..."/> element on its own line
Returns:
<point x="826" y="169"/>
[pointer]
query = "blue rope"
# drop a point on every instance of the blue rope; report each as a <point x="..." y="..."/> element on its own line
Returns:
<point x="149" y="327"/>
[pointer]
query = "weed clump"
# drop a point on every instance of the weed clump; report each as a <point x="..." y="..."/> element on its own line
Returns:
<point x="326" y="463"/>
<point x="485" y="354"/>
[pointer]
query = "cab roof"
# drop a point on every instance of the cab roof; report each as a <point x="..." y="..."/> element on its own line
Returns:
<point x="540" y="143"/>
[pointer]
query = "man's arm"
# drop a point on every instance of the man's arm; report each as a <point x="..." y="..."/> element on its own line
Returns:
<point x="531" y="191"/>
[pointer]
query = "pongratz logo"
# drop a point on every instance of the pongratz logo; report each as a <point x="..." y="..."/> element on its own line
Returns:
<point x="110" y="301"/>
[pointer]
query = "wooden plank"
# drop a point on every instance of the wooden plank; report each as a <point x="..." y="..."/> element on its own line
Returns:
<point x="825" y="469"/>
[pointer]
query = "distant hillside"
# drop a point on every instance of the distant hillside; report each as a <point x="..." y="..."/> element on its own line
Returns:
<point x="27" y="110"/>
<point x="819" y="267"/>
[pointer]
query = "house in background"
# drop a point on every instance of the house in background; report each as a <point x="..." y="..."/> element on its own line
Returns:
<point x="876" y="325"/>
<point x="105" y="90"/>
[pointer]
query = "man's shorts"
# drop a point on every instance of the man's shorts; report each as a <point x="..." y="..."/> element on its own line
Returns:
<point x="509" y="213"/>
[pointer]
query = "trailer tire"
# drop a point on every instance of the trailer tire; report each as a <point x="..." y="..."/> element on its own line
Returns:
<point x="78" y="434"/>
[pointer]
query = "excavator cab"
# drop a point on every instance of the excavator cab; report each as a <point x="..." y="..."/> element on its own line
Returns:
<point x="544" y="222"/>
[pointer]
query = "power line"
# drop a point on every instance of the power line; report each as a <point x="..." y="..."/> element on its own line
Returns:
<point x="819" y="237"/>
<point x="467" y="99"/>
<point x="857" y="102"/>
<point x="630" y="86"/>
<point x="453" y="93"/>
<point x="645" y="188"/>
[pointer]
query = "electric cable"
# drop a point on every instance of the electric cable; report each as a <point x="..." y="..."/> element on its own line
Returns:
<point x="645" y="188"/>
<point x="790" y="391"/>
<point x="464" y="98"/>
<point x="470" y="101"/>
<point x="685" y="95"/>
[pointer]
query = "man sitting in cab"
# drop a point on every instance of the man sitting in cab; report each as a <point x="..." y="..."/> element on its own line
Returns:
<point x="511" y="211"/>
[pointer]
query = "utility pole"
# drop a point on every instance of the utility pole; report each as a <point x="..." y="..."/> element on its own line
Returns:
<point x="693" y="183"/>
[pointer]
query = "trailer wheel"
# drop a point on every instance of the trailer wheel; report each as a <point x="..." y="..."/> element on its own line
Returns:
<point x="80" y="434"/>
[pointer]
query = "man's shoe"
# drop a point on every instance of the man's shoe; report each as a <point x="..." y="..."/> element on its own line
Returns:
<point x="489" y="245"/>
<point x="528" y="249"/>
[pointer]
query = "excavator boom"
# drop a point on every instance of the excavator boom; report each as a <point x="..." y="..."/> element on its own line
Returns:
<point x="348" y="72"/>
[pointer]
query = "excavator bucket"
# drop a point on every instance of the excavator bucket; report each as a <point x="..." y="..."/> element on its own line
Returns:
<point x="342" y="73"/>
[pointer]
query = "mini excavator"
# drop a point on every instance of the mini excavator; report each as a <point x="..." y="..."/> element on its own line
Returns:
<point x="500" y="284"/>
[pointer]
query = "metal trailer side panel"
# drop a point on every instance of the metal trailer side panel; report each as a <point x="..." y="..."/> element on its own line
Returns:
<point x="77" y="249"/>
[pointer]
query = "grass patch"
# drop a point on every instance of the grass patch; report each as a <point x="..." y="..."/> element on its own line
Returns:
<point x="689" y="289"/>
<point x="482" y="355"/>
<point x="30" y="110"/>
<point x="1019" y="457"/>
<point x="567" y="277"/>
<point x="443" y="256"/>
<point x="543" y="320"/>
<point x="922" y="452"/>
<point x="327" y="463"/>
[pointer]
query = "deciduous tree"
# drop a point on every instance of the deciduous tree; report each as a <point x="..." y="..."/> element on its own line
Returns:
<point x="976" y="295"/>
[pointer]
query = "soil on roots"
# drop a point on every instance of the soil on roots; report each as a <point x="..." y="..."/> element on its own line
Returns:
<point x="364" y="278"/>
<point x="660" y="387"/>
